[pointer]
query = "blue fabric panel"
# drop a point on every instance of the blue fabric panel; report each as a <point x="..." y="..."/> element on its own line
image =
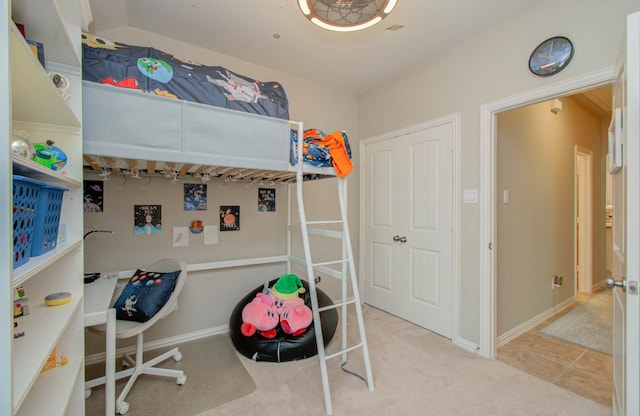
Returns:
<point x="157" y="72"/>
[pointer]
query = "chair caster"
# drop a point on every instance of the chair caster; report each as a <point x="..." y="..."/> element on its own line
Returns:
<point x="177" y="356"/>
<point x="87" y="393"/>
<point x="122" y="408"/>
<point x="181" y="380"/>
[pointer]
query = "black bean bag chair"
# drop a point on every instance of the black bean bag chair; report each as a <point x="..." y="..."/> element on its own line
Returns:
<point x="283" y="347"/>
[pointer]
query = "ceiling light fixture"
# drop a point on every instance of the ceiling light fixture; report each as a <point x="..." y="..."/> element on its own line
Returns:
<point x="346" y="15"/>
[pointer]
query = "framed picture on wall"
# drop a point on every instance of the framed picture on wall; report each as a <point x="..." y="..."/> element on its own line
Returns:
<point x="147" y="219"/>
<point x="195" y="197"/>
<point x="93" y="196"/>
<point x="266" y="200"/>
<point x="229" y="218"/>
<point x="615" y="141"/>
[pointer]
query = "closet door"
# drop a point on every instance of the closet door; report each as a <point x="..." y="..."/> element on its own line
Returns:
<point x="407" y="214"/>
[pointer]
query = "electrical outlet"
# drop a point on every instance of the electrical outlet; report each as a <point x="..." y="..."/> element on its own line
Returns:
<point x="556" y="281"/>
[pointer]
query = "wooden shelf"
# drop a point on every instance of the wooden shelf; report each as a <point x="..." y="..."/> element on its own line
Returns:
<point x="31" y="351"/>
<point x="37" y="264"/>
<point x="50" y="391"/>
<point x="25" y="167"/>
<point x="35" y="106"/>
<point x="35" y="98"/>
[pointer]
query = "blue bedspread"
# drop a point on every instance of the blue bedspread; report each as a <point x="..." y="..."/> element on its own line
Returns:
<point x="157" y="72"/>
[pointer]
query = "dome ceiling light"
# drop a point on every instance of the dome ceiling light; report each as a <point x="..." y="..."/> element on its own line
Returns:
<point x="346" y="15"/>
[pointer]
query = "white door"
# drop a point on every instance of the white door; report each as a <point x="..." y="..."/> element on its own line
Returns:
<point x="407" y="216"/>
<point x="584" y="216"/>
<point x="624" y="151"/>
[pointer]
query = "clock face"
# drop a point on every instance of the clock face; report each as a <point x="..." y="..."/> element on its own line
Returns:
<point x="551" y="56"/>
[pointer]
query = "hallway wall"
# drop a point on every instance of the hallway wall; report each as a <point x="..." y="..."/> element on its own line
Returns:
<point x="536" y="164"/>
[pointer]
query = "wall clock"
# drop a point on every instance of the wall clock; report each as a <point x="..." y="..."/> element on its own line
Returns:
<point x="551" y="56"/>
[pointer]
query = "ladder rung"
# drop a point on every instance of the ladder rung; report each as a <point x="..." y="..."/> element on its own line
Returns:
<point x="337" y="353"/>
<point x="336" y="305"/>
<point x="326" y="222"/>
<point x="319" y="231"/>
<point x="327" y="263"/>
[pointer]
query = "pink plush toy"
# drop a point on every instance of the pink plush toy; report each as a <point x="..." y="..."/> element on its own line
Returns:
<point x="286" y="288"/>
<point x="295" y="317"/>
<point x="260" y="316"/>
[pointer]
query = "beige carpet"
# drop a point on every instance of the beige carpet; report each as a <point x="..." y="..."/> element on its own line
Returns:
<point x="415" y="372"/>
<point x="589" y="325"/>
<point x="214" y="373"/>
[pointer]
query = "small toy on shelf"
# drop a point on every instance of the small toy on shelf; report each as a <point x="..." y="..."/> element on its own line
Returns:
<point x="16" y="332"/>
<point x="20" y="145"/>
<point x="59" y="298"/>
<point x="62" y="84"/>
<point x="49" y="156"/>
<point x="51" y="362"/>
<point x="20" y="307"/>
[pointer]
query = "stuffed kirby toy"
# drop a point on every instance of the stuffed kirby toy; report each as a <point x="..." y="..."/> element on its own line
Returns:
<point x="259" y="316"/>
<point x="295" y="317"/>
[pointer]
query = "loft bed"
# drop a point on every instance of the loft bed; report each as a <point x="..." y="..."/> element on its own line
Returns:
<point x="136" y="126"/>
<point x="148" y="112"/>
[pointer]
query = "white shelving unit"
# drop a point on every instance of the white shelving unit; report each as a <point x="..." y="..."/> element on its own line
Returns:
<point x="31" y="103"/>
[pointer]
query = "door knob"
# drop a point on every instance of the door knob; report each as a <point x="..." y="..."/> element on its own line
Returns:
<point x="610" y="283"/>
<point x="398" y="238"/>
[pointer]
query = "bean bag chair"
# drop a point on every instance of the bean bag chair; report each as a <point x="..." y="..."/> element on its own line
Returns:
<point x="283" y="347"/>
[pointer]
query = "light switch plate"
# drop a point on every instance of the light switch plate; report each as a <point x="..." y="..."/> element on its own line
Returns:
<point x="470" y="196"/>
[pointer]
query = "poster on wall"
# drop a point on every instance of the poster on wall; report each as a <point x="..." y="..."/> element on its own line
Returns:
<point x="229" y="218"/>
<point x="180" y="236"/>
<point x="147" y="219"/>
<point x="195" y="197"/>
<point x="93" y="196"/>
<point x="266" y="200"/>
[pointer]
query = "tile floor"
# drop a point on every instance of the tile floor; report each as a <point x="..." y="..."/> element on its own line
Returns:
<point x="572" y="367"/>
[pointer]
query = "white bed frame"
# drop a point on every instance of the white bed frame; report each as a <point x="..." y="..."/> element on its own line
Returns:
<point x="127" y="124"/>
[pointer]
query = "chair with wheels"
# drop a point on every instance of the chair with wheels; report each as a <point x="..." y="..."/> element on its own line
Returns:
<point x="129" y="305"/>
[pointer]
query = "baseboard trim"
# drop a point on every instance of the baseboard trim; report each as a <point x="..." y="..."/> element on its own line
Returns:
<point x="161" y="343"/>
<point x="468" y="345"/>
<point x="531" y="323"/>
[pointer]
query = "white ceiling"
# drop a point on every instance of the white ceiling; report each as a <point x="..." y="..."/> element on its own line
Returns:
<point x="353" y="62"/>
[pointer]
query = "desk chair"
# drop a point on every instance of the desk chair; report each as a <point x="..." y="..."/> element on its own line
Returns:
<point x="129" y="329"/>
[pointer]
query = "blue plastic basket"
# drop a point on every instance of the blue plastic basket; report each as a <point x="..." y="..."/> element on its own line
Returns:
<point x="47" y="220"/>
<point x="25" y="201"/>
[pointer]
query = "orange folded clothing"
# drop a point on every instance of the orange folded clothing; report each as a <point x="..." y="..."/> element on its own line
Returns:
<point x="341" y="162"/>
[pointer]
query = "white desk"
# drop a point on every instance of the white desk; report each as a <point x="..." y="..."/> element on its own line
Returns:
<point x="97" y="310"/>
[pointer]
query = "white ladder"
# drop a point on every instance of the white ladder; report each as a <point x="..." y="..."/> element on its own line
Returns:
<point x="348" y="273"/>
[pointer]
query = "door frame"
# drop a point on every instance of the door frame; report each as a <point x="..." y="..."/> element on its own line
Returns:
<point x="488" y="191"/>
<point x="586" y="236"/>
<point x="455" y="120"/>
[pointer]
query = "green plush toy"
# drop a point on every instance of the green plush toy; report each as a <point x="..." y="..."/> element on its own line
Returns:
<point x="287" y="287"/>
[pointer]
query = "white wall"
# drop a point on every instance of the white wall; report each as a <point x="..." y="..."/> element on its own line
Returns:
<point x="490" y="66"/>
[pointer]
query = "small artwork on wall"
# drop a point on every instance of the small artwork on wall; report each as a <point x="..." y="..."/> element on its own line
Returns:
<point x="93" y="196"/>
<point x="229" y="218"/>
<point x="147" y="219"/>
<point x="266" y="199"/>
<point x="195" y="197"/>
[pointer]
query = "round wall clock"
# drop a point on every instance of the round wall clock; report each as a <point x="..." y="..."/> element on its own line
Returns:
<point x="551" y="56"/>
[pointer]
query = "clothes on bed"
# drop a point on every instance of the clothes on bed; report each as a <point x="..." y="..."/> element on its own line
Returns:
<point x="324" y="150"/>
<point x="157" y="72"/>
